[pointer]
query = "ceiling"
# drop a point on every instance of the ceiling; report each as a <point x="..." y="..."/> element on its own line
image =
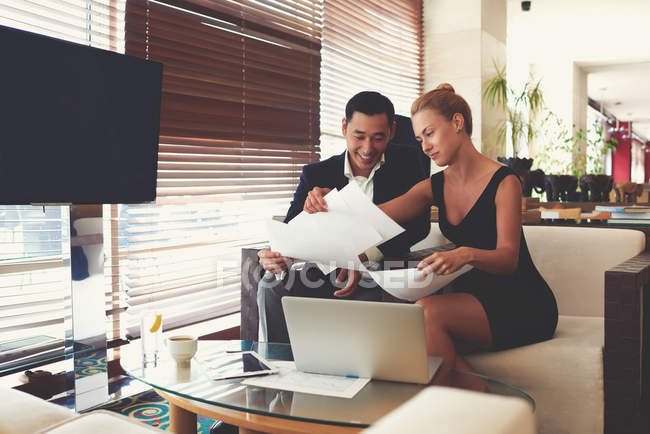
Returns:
<point x="624" y="90"/>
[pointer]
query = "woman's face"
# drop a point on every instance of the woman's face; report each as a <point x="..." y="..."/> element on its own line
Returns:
<point x="437" y="135"/>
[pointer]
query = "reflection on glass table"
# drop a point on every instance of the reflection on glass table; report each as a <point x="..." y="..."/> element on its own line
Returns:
<point x="25" y="353"/>
<point x="191" y="388"/>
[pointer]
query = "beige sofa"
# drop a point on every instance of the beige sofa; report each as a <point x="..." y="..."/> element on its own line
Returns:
<point x="21" y="413"/>
<point x="565" y="375"/>
<point x="444" y="410"/>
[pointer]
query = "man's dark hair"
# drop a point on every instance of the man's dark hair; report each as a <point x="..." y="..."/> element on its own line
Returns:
<point x="370" y="103"/>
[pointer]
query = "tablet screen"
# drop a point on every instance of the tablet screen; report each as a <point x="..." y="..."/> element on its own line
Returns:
<point x="233" y="365"/>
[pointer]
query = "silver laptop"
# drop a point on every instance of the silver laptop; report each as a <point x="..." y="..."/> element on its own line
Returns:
<point x="383" y="341"/>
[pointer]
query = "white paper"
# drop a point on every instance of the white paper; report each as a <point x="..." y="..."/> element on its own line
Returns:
<point x="336" y="237"/>
<point x="409" y="283"/>
<point x="311" y="247"/>
<point x="339" y="222"/>
<point x="363" y="207"/>
<point x="288" y="378"/>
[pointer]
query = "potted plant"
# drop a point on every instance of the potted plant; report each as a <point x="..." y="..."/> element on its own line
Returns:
<point x="576" y="153"/>
<point x="520" y="107"/>
<point x="562" y="151"/>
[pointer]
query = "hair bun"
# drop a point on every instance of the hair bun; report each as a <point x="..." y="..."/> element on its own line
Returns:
<point x="445" y="86"/>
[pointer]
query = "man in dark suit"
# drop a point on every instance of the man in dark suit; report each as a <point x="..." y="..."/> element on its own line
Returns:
<point x="383" y="171"/>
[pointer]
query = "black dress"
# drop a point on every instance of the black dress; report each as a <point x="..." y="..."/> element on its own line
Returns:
<point x="520" y="307"/>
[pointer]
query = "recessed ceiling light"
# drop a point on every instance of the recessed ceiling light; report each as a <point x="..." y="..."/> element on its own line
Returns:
<point x="617" y="103"/>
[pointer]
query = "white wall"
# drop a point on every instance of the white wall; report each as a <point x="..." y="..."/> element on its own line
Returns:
<point x="460" y="41"/>
<point x="559" y="39"/>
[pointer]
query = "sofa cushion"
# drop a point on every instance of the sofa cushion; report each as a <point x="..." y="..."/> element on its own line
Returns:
<point x="564" y="375"/>
<point x="444" y="410"/>
<point x="99" y="422"/>
<point x="21" y="412"/>
<point x="573" y="261"/>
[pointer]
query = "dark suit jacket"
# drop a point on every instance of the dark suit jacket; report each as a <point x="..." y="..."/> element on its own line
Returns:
<point x="401" y="170"/>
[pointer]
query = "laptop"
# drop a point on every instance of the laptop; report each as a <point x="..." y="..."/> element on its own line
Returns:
<point x="382" y="341"/>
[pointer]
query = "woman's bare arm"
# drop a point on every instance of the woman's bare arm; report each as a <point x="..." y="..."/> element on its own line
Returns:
<point x="411" y="204"/>
<point x="401" y="209"/>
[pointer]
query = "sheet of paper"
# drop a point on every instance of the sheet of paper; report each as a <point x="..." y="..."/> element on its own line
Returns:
<point x="334" y="238"/>
<point x="363" y="207"/>
<point x="409" y="283"/>
<point x="311" y="247"/>
<point x="288" y="378"/>
<point x="339" y="222"/>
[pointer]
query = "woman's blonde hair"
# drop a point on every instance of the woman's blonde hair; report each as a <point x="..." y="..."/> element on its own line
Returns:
<point x="444" y="100"/>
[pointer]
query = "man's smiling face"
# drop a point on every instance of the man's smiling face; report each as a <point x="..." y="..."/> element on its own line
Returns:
<point x="367" y="137"/>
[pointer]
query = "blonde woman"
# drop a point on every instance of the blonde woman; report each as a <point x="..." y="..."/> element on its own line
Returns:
<point x="503" y="301"/>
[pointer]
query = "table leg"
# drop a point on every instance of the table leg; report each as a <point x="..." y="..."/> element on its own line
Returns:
<point x="181" y="421"/>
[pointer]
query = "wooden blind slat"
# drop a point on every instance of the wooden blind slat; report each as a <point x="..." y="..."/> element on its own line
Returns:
<point x="368" y="45"/>
<point x="239" y="119"/>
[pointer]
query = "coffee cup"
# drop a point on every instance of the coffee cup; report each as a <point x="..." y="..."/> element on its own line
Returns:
<point x="182" y="348"/>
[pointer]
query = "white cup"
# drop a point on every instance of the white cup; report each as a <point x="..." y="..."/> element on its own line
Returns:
<point x="182" y="348"/>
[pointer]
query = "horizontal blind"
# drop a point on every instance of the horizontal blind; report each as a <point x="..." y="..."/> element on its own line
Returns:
<point x="34" y="254"/>
<point x="34" y="276"/>
<point x="239" y="119"/>
<point x="99" y="23"/>
<point x="368" y="45"/>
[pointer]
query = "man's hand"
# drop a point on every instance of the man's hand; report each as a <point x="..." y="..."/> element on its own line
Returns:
<point x="353" y="277"/>
<point x="273" y="261"/>
<point x="315" y="201"/>
<point x="442" y="263"/>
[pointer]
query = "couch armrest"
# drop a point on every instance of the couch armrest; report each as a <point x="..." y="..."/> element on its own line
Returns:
<point x="251" y="273"/>
<point x="627" y="337"/>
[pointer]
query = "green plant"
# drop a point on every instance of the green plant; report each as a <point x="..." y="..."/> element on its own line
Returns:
<point x="521" y="108"/>
<point x="570" y="151"/>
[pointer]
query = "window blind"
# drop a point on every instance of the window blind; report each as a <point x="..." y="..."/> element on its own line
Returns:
<point x="34" y="244"/>
<point x="239" y="119"/>
<point x="34" y="277"/>
<point x="368" y="45"/>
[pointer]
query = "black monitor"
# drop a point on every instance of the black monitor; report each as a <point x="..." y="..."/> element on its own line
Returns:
<point x="77" y="124"/>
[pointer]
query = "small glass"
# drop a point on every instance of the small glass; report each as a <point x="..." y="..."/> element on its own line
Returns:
<point x="151" y="335"/>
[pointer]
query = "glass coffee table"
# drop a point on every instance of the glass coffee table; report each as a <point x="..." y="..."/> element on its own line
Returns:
<point x="190" y="391"/>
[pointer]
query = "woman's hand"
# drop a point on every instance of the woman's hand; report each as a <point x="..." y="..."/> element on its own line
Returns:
<point x="442" y="263"/>
<point x="315" y="201"/>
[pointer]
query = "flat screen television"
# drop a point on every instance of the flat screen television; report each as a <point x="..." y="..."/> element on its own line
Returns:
<point x="77" y="124"/>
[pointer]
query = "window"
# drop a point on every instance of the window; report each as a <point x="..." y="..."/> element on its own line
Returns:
<point x="239" y="120"/>
<point x="245" y="99"/>
<point x="368" y="45"/>
<point x="637" y="165"/>
<point x="34" y="241"/>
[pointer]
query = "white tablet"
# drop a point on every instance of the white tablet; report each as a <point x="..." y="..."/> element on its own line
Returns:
<point x="237" y="364"/>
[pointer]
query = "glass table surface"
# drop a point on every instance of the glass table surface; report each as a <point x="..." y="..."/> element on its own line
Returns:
<point x="375" y="400"/>
<point x="51" y="350"/>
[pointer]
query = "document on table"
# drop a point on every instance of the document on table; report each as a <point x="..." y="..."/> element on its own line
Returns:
<point x="288" y="378"/>
<point x="351" y="225"/>
<point x="409" y="283"/>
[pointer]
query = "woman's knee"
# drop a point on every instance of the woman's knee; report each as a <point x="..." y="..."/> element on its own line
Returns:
<point x="434" y="314"/>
